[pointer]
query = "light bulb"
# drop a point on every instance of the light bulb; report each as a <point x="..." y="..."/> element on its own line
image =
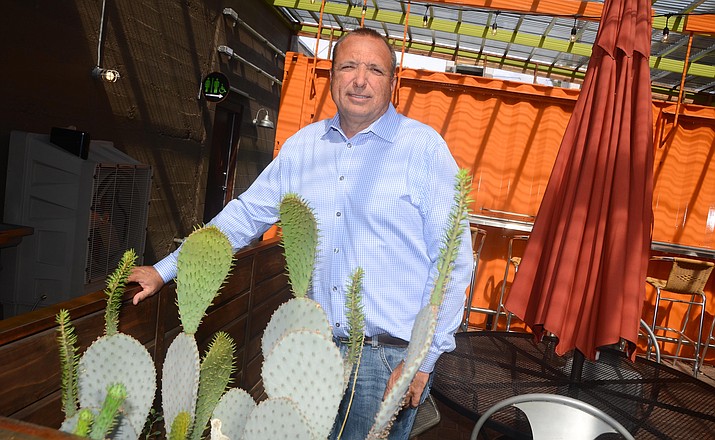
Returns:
<point x="666" y="34"/>
<point x="495" y="28"/>
<point x="573" y="38"/>
<point x="109" y="75"/>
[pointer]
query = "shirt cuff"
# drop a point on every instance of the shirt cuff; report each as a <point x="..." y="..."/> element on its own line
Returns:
<point x="166" y="268"/>
<point x="431" y="359"/>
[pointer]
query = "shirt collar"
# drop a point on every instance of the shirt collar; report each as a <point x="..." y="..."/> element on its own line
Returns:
<point x="385" y="126"/>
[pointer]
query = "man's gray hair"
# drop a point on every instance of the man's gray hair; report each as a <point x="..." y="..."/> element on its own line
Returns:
<point x="366" y="32"/>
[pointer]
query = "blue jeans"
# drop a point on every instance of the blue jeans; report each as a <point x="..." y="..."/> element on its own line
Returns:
<point x="376" y="365"/>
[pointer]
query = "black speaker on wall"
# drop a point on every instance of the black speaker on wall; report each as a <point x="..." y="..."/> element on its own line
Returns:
<point x="73" y="141"/>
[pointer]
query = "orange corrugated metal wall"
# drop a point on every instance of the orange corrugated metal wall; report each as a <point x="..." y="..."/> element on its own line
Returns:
<point x="508" y="134"/>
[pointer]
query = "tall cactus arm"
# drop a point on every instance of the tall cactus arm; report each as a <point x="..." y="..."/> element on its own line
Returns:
<point x="69" y="359"/>
<point x="453" y="235"/>
<point x="108" y="415"/>
<point x="355" y="315"/>
<point x="115" y="290"/>
<point x="216" y="370"/>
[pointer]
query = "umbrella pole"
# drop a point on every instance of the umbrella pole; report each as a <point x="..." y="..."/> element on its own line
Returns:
<point x="576" y="372"/>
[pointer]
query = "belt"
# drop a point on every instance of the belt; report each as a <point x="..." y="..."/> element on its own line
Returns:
<point x="381" y="339"/>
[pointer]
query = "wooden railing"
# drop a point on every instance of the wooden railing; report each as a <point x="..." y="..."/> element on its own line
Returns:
<point x="30" y="373"/>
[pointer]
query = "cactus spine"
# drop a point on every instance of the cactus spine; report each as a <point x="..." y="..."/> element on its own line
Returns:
<point x="114" y="291"/>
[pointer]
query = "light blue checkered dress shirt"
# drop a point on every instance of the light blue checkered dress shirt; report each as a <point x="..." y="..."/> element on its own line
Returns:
<point x="382" y="201"/>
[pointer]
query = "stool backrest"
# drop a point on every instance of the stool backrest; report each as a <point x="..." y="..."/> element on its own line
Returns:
<point x="553" y="417"/>
<point x="688" y="276"/>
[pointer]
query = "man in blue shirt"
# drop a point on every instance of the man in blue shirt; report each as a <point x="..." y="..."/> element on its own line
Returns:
<point x="381" y="186"/>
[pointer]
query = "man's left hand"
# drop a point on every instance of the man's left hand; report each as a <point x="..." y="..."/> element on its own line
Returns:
<point x="414" y="392"/>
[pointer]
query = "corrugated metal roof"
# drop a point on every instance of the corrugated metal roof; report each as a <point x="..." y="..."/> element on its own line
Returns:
<point x="526" y="39"/>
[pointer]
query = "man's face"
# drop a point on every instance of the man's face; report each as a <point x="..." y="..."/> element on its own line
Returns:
<point x="361" y="82"/>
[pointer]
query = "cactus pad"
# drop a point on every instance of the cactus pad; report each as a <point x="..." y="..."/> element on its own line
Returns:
<point x="180" y="378"/>
<point x="307" y="368"/>
<point x="118" y="358"/>
<point x="420" y="341"/>
<point x="204" y="261"/>
<point x="233" y="410"/>
<point x="277" y="418"/>
<point x="295" y="314"/>
<point x="299" y="240"/>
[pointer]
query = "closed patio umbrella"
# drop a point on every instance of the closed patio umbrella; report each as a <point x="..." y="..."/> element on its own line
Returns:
<point x="582" y="276"/>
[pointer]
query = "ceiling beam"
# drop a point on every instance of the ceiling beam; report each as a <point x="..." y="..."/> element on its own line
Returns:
<point x="530" y="40"/>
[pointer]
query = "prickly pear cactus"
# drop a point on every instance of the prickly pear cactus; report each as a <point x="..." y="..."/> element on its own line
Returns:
<point x="118" y="359"/>
<point x="318" y="388"/>
<point x="300" y="241"/>
<point x="112" y="410"/>
<point x="180" y="379"/>
<point x="233" y="410"/>
<point x="204" y="261"/>
<point x="215" y="374"/>
<point x="277" y="418"/>
<point x="295" y="314"/>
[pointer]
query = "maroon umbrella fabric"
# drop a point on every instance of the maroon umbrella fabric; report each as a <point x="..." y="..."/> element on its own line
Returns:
<point x="582" y="276"/>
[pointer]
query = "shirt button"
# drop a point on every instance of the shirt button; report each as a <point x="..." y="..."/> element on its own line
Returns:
<point x="341" y="178"/>
<point x="338" y="214"/>
<point x="350" y="145"/>
<point x="337" y="324"/>
<point x="335" y="288"/>
<point x="336" y="250"/>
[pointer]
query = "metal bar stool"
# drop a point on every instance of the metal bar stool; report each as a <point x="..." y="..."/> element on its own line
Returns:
<point x="685" y="284"/>
<point x="478" y="237"/>
<point x="515" y="261"/>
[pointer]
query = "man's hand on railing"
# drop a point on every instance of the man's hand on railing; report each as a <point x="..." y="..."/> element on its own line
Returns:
<point x="149" y="280"/>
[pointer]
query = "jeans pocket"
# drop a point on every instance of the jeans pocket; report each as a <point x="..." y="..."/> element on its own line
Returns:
<point x="392" y="356"/>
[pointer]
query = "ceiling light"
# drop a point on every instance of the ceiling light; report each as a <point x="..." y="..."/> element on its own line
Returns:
<point x="265" y="122"/>
<point x="425" y="19"/>
<point x="364" y="10"/>
<point x="666" y="30"/>
<point x="574" y="31"/>
<point x="495" y="26"/>
<point x="109" y="75"/>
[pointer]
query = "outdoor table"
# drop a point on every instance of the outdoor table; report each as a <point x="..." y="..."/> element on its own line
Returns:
<point x="651" y="400"/>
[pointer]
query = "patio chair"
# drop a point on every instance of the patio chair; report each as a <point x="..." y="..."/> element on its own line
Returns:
<point x="478" y="237"/>
<point x="427" y="417"/>
<point x="513" y="260"/>
<point x="554" y="417"/>
<point x="685" y="285"/>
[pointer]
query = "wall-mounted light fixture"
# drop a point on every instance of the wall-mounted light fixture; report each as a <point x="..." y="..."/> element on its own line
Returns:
<point x="109" y="75"/>
<point x="229" y="12"/>
<point x="265" y="122"/>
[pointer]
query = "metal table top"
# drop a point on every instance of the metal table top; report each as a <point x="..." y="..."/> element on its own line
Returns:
<point x="653" y="401"/>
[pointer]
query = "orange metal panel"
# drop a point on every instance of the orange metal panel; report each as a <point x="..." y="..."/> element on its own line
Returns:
<point x="590" y="10"/>
<point x="704" y="24"/>
<point x="508" y="134"/>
